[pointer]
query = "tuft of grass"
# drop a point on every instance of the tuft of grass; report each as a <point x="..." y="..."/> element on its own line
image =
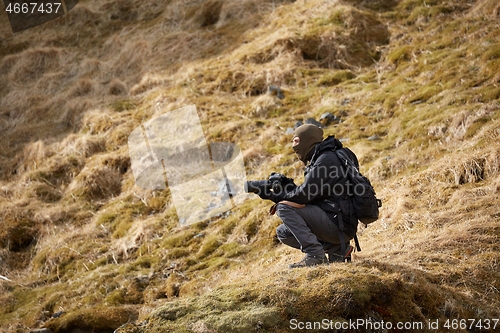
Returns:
<point x="424" y="94"/>
<point x="96" y="184"/>
<point x="476" y="126"/>
<point x="46" y="193"/>
<point x="117" y="88"/>
<point x="335" y="78"/>
<point x="96" y="319"/>
<point x="121" y="105"/>
<point x="401" y="54"/>
<point x="209" y="245"/>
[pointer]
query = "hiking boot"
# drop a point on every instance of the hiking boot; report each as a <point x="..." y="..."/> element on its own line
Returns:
<point x="309" y="261"/>
<point x="335" y="257"/>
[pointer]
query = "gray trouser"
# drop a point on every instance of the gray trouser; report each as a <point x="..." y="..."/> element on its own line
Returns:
<point x="308" y="229"/>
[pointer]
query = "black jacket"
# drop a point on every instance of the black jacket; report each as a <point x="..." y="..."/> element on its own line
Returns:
<point x="326" y="183"/>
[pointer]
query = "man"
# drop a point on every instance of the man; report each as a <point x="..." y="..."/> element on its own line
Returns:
<point x="316" y="214"/>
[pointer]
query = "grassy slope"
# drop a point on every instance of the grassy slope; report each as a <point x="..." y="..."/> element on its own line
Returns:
<point x="78" y="237"/>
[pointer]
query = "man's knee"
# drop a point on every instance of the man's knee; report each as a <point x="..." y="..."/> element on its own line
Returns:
<point x="282" y="232"/>
<point x="286" y="237"/>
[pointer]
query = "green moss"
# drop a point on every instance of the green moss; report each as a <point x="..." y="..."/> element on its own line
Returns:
<point x="176" y="253"/>
<point x="490" y="93"/>
<point x="335" y="78"/>
<point x="222" y="311"/>
<point x="411" y="4"/>
<point x="231" y="250"/>
<point x="210" y="264"/>
<point x="210" y="244"/>
<point x="123" y="105"/>
<point x="336" y="18"/>
<point x="145" y="261"/>
<point x="46" y="193"/>
<point x="120" y="215"/>
<point x="425" y="93"/>
<point x="273" y="148"/>
<point x="102" y="261"/>
<point x="121" y="226"/>
<point x="391" y="101"/>
<point x="300" y="98"/>
<point x="180" y="239"/>
<point x="116" y="297"/>
<point x="58" y="171"/>
<point x="277" y="112"/>
<point x="437" y="56"/>
<point x="157" y="203"/>
<point x="427" y="13"/>
<point x="493" y="53"/>
<point x="250" y="226"/>
<point x="40" y="259"/>
<point x="106" y="218"/>
<point x="476" y="126"/>
<point x="134" y="207"/>
<point x="228" y="225"/>
<point x="100" y="319"/>
<point x="400" y="54"/>
<point x="26" y="304"/>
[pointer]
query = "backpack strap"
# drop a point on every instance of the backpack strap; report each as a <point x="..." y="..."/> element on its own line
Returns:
<point x="357" y="242"/>
<point x="342" y="228"/>
<point x="341" y="231"/>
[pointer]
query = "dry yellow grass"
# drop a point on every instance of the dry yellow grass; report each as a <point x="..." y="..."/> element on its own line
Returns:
<point x="77" y="235"/>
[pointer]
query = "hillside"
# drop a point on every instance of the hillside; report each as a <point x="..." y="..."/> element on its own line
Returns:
<point x="417" y="87"/>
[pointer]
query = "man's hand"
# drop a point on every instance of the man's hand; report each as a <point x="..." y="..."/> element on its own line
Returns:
<point x="264" y="191"/>
<point x="266" y="194"/>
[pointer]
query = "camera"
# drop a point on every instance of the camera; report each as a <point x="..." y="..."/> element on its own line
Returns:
<point x="276" y="182"/>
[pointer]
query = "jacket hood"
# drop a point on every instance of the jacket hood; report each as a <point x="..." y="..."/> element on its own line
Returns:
<point x="330" y="143"/>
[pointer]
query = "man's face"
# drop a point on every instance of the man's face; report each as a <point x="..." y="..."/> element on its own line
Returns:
<point x="305" y="138"/>
<point x="295" y="144"/>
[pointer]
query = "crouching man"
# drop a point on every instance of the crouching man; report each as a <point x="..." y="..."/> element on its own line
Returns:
<point x="316" y="214"/>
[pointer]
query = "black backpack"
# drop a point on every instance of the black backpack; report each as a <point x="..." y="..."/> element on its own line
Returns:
<point x="364" y="202"/>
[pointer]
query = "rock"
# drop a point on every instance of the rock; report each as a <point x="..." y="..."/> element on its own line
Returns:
<point x="276" y="91"/>
<point x="343" y="113"/>
<point x="326" y="115"/>
<point x="328" y="118"/>
<point x="374" y="138"/>
<point x="313" y="122"/>
<point x="58" y="314"/>
<point x="289" y="131"/>
<point x="297" y="124"/>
